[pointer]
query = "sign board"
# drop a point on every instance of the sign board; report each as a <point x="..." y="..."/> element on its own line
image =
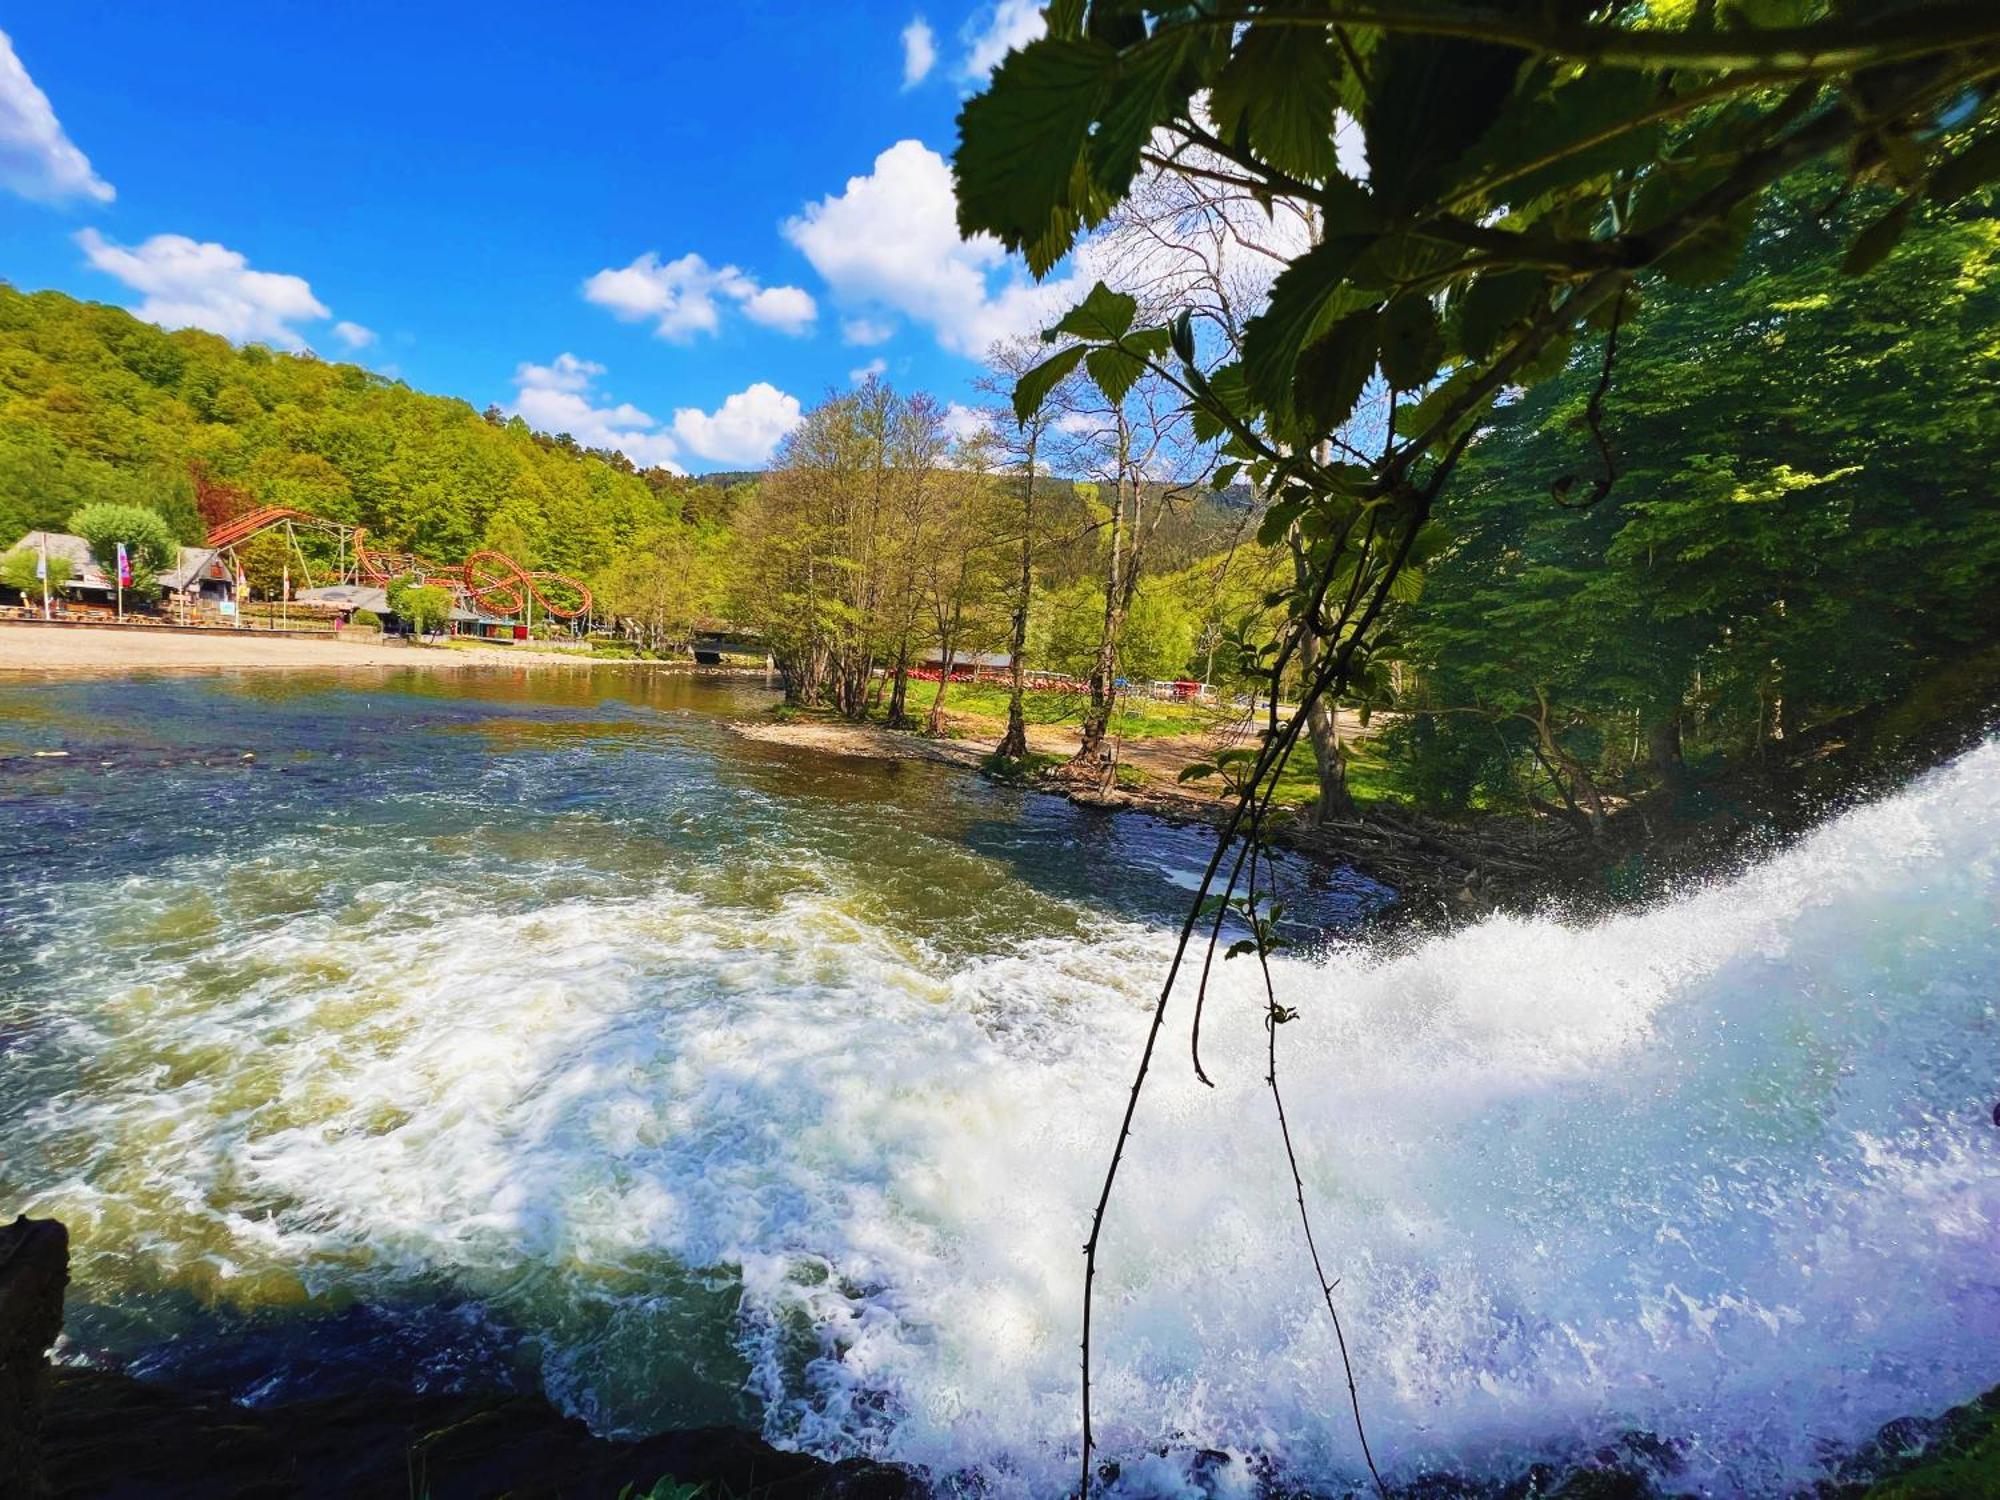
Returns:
<point x="227" y="607"/>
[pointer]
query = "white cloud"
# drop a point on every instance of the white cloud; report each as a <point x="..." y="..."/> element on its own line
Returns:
<point x="562" y="396"/>
<point x="966" y="422"/>
<point x="919" y="52"/>
<point x="862" y="374"/>
<point x="353" y="334"/>
<point x="681" y="296"/>
<point x="890" y="241"/>
<point x="37" y="160"/>
<point x="992" y="34"/>
<point x="866" y="331"/>
<point x="746" y="429"/>
<point x="789" y="309"/>
<point x="557" y="397"/>
<point x="200" y="284"/>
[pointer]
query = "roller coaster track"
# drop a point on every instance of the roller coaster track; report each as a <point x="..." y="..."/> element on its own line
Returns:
<point x="488" y="581"/>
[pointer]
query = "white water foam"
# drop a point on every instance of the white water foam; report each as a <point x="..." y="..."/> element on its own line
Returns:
<point x="1722" y="1171"/>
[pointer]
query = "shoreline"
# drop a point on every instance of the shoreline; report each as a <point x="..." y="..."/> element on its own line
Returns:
<point x="45" y="650"/>
<point x="1440" y="873"/>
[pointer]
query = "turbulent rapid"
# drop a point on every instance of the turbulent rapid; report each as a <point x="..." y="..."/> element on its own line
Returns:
<point x="567" y="1039"/>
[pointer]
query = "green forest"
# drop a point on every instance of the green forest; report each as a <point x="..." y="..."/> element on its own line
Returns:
<point x="1789" y="448"/>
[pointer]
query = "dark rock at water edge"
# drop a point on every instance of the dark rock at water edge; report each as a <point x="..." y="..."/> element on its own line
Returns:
<point x="34" y="1268"/>
<point x="109" y="1435"/>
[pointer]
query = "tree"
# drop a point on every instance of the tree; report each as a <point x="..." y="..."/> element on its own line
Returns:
<point x="662" y="588"/>
<point x="19" y="570"/>
<point x="1744" y="580"/>
<point x="150" y="546"/>
<point x="425" y="608"/>
<point x="1525" y="172"/>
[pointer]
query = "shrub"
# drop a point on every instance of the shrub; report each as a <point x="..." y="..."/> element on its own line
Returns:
<point x="365" y="619"/>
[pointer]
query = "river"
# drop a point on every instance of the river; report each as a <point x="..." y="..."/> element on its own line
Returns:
<point x="478" y="1029"/>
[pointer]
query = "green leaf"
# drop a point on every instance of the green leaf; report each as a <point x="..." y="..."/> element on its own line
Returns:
<point x="1153" y="81"/>
<point x="1874" y="243"/>
<point x="1711" y="252"/>
<point x="1429" y="99"/>
<point x="1240" y="947"/>
<point x="1196" y="772"/>
<point x="1972" y="168"/>
<point x="1180" y="334"/>
<point x="1535" y="141"/>
<point x="1332" y="373"/>
<point x="1033" y="388"/>
<point x="1277" y="336"/>
<point x="1492" y="305"/>
<point x="1224" y="476"/>
<point x="1412" y="342"/>
<point x="1020" y="140"/>
<point x="1103" y="315"/>
<point x="1113" y="370"/>
<point x="1279" y="91"/>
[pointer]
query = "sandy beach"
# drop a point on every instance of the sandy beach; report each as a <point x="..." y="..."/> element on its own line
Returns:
<point x="66" y="648"/>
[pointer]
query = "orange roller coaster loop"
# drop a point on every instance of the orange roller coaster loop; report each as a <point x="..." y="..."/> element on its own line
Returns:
<point x="488" y="581"/>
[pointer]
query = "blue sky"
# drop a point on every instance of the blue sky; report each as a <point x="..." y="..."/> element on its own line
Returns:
<point x="501" y="202"/>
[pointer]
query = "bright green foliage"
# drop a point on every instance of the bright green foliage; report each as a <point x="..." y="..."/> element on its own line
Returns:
<point x="667" y="583"/>
<point x="150" y="545"/>
<point x="424" y="608"/>
<point x="17" y="571"/>
<point x="365" y="619"/>
<point x="98" y="406"/>
<point x="1802" y="524"/>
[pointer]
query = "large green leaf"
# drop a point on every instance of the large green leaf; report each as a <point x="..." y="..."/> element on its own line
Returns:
<point x="1020" y="141"/>
<point x="1973" y="167"/>
<point x="1113" y="370"/>
<point x="1295" y="316"/>
<point x="1429" y="99"/>
<point x="1493" y="304"/>
<point x="1548" y="138"/>
<point x="1102" y="315"/>
<point x="1033" y="388"/>
<point x="1412" y="342"/>
<point x="1153" y="80"/>
<point x="1279" y="92"/>
<point x="1333" y="371"/>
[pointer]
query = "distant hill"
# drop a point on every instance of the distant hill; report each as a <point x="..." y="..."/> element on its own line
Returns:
<point x="98" y="405"/>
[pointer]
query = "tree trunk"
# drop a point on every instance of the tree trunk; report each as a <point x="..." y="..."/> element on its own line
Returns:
<point x="899" y="692"/>
<point x="1663" y="752"/>
<point x="1014" y="744"/>
<point x="934" y="726"/>
<point x="1094" y="759"/>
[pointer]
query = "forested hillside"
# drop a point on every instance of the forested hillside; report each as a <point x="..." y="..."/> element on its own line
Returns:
<point x="97" y="405"/>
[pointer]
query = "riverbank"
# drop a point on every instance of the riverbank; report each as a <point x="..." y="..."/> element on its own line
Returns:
<point x="48" y="649"/>
<point x="1439" y="870"/>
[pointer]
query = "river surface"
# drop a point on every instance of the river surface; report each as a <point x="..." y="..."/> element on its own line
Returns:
<point x="470" y="1029"/>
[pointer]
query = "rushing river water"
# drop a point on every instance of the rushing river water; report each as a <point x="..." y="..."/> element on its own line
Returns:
<point x="546" y="1031"/>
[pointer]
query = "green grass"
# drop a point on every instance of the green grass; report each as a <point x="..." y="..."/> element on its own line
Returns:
<point x="1135" y="718"/>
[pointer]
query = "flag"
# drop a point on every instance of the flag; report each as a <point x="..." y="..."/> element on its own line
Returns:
<point x="124" y="567"/>
<point x="42" y="561"/>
